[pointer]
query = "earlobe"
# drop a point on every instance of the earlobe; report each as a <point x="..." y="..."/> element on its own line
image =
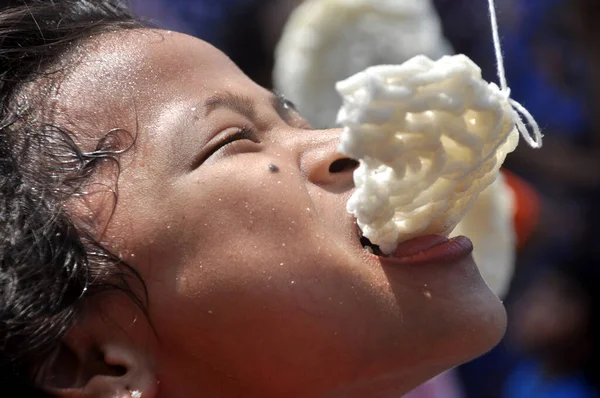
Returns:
<point x="84" y="367"/>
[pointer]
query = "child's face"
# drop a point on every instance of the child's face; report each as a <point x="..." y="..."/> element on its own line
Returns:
<point x="258" y="284"/>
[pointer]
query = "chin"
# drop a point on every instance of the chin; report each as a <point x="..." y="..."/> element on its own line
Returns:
<point x="485" y="326"/>
<point x="459" y="320"/>
<point x="475" y="324"/>
<point x="456" y="334"/>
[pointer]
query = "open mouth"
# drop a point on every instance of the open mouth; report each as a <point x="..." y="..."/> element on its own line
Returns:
<point x="368" y="245"/>
<point x="421" y="250"/>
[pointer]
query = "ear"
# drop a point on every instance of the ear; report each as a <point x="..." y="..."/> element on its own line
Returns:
<point x="99" y="359"/>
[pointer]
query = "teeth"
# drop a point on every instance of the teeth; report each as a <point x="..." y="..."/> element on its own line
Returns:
<point x="369" y="249"/>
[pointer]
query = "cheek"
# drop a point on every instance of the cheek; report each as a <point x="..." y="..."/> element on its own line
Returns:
<point x="266" y="279"/>
<point x="248" y="244"/>
<point x="252" y="219"/>
<point x="287" y="312"/>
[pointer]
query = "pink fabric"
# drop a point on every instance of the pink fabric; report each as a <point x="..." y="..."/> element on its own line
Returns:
<point x="445" y="385"/>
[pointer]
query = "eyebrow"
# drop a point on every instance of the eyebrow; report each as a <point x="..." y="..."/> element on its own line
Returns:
<point x="237" y="103"/>
<point x="245" y="106"/>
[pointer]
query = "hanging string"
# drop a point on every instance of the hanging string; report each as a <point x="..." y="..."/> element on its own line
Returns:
<point x="535" y="139"/>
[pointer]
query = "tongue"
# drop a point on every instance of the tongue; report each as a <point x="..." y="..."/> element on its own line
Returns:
<point x="418" y="245"/>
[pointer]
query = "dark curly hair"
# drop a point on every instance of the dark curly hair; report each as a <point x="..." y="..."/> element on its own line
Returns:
<point x="48" y="262"/>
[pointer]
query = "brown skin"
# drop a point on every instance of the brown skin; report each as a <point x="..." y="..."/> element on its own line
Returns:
<point x="258" y="285"/>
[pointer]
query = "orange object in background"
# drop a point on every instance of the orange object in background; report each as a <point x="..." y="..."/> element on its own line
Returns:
<point x="527" y="207"/>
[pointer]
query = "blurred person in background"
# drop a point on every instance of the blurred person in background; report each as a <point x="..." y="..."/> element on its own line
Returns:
<point x="555" y="324"/>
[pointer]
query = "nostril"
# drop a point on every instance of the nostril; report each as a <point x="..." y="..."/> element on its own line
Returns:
<point x="344" y="164"/>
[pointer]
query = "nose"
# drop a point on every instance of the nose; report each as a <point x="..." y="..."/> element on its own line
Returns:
<point x="323" y="164"/>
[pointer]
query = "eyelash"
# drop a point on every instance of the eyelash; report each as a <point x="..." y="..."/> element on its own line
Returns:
<point x="229" y="143"/>
<point x="243" y="133"/>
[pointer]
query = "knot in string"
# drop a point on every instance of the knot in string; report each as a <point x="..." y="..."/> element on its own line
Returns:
<point x="534" y="139"/>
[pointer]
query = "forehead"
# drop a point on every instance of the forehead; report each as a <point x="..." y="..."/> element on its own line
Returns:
<point x="125" y="77"/>
<point x="141" y="84"/>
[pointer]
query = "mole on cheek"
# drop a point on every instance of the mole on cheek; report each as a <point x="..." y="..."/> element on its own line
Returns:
<point x="273" y="168"/>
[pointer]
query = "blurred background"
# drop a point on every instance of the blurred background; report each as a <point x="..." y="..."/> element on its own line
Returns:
<point x="552" y="60"/>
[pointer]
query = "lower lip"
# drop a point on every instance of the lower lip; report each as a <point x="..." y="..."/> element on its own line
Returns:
<point x="431" y="249"/>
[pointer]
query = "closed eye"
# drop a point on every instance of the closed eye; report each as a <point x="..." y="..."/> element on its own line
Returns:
<point x="244" y="133"/>
<point x="237" y="134"/>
